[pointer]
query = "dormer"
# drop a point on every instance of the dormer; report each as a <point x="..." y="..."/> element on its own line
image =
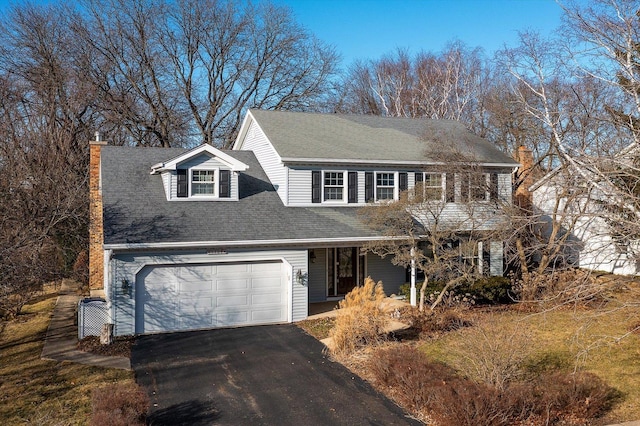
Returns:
<point x="202" y="174"/>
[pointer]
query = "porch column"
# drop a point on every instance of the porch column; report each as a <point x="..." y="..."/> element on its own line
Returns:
<point x="413" y="277"/>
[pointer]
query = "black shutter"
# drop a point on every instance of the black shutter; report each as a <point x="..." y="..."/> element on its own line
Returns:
<point x="182" y="183"/>
<point x="315" y="186"/>
<point x="451" y="187"/>
<point x="353" y="187"/>
<point x="493" y="188"/>
<point x="465" y="185"/>
<point x="419" y="177"/>
<point x="368" y="186"/>
<point x="225" y="184"/>
<point x="404" y="184"/>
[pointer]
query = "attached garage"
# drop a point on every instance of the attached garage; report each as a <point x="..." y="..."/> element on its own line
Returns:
<point x="197" y="296"/>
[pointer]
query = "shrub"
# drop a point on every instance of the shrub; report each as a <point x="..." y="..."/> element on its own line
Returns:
<point x="429" y="323"/>
<point x="360" y="320"/>
<point x="574" y="286"/>
<point x="494" y="355"/>
<point x="433" y="391"/>
<point x="579" y="395"/>
<point x="119" y="405"/>
<point x="492" y="290"/>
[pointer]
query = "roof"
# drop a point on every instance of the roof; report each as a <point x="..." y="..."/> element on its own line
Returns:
<point x="372" y="139"/>
<point x="136" y="211"/>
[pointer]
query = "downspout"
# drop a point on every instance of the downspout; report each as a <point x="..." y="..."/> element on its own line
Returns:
<point x="108" y="275"/>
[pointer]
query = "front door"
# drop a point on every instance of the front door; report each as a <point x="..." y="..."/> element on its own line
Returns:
<point x="344" y="270"/>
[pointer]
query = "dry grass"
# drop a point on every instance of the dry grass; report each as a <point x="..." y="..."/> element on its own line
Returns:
<point x="360" y="321"/>
<point x="33" y="391"/>
<point x="318" y="328"/>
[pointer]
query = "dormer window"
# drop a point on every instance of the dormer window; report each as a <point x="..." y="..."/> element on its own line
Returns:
<point x="203" y="182"/>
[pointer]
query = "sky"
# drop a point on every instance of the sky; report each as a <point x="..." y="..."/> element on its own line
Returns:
<point x="369" y="29"/>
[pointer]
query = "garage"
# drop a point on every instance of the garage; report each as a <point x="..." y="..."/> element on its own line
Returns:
<point x="198" y="296"/>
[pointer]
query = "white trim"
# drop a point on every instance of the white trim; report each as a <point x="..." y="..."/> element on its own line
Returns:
<point x="246" y="243"/>
<point x="288" y="267"/>
<point x="234" y="165"/>
<point x="402" y="163"/>
<point x="215" y="183"/>
<point x="345" y="187"/>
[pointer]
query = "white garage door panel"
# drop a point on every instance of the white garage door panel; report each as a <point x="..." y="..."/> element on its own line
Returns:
<point x="232" y="301"/>
<point x="189" y="297"/>
<point x="266" y="315"/>
<point x="266" y="299"/>
<point x="231" y="284"/>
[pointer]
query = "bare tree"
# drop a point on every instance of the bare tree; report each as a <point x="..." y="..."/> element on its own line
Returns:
<point x="173" y="73"/>
<point x="437" y="225"/>
<point x="46" y="117"/>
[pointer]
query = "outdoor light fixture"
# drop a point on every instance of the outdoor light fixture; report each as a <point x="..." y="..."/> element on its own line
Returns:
<point x="312" y="256"/>
<point x="125" y="285"/>
<point x="299" y="276"/>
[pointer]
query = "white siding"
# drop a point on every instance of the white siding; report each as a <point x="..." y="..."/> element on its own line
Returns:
<point x="256" y="141"/>
<point x="127" y="266"/>
<point x="505" y="187"/>
<point x="299" y="186"/>
<point x="166" y="182"/>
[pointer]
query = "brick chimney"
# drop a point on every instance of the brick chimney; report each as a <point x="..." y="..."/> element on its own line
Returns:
<point x="96" y="256"/>
<point x="524" y="179"/>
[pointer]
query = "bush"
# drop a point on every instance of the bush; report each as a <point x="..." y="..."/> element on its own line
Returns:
<point x="572" y="286"/>
<point x="492" y="290"/>
<point x="494" y="354"/>
<point x="430" y="323"/>
<point x="433" y="391"/>
<point x="360" y="320"/>
<point x="119" y="405"/>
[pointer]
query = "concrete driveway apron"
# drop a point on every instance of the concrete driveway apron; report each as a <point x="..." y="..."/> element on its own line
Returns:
<point x="268" y="375"/>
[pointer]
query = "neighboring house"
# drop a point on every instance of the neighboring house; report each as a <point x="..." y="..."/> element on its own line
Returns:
<point x="578" y="201"/>
<point x="200" y="238"/>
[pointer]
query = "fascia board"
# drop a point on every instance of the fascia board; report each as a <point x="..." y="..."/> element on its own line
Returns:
<point x="246" y="243"/>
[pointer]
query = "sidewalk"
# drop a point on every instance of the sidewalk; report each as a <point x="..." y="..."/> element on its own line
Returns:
<point x="62" y="336"/>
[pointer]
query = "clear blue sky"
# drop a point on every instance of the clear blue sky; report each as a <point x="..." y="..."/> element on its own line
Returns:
<point x="368" y="29"/>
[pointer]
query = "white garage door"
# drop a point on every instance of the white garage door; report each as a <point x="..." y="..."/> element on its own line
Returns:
<point x="190" y="297"/>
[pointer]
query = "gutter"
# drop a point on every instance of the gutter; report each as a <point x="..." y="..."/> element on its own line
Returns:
<point x="246" y="243"/>
<point x="352" y="162"/>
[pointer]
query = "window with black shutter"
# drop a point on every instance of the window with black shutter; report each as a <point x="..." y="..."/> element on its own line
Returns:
<point x="225" y="184"/>
<point x="368" y="186"/>
<point x="315" y="186"/>
<point x="183" y="188"/>
<point x="353" y="187"/>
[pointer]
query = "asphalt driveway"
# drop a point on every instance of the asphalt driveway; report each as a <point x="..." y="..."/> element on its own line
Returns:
<point x="269" y="375"/>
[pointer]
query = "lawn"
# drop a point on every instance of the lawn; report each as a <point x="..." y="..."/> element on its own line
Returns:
<point x="33" y="391"/>
<point x="597" y="340"/>
<point x="603" y="339"/>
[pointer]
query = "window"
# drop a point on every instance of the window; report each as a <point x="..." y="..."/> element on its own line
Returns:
<point x="203" y="182"/>
<point x="474" y="187"/>
<point x="433" y="186"/>
<point x="479" y="186"/>
<point x="385" y="186"/>
<point x="333" y="186"/>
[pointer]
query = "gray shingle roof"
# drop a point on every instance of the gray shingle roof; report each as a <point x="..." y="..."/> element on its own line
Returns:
<point x="136" y="210"/>
<point x="373" y="138"/>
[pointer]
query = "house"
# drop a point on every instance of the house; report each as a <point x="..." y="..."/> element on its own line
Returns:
<point x="580" y="201"/>
<point x="186" y="239"/>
